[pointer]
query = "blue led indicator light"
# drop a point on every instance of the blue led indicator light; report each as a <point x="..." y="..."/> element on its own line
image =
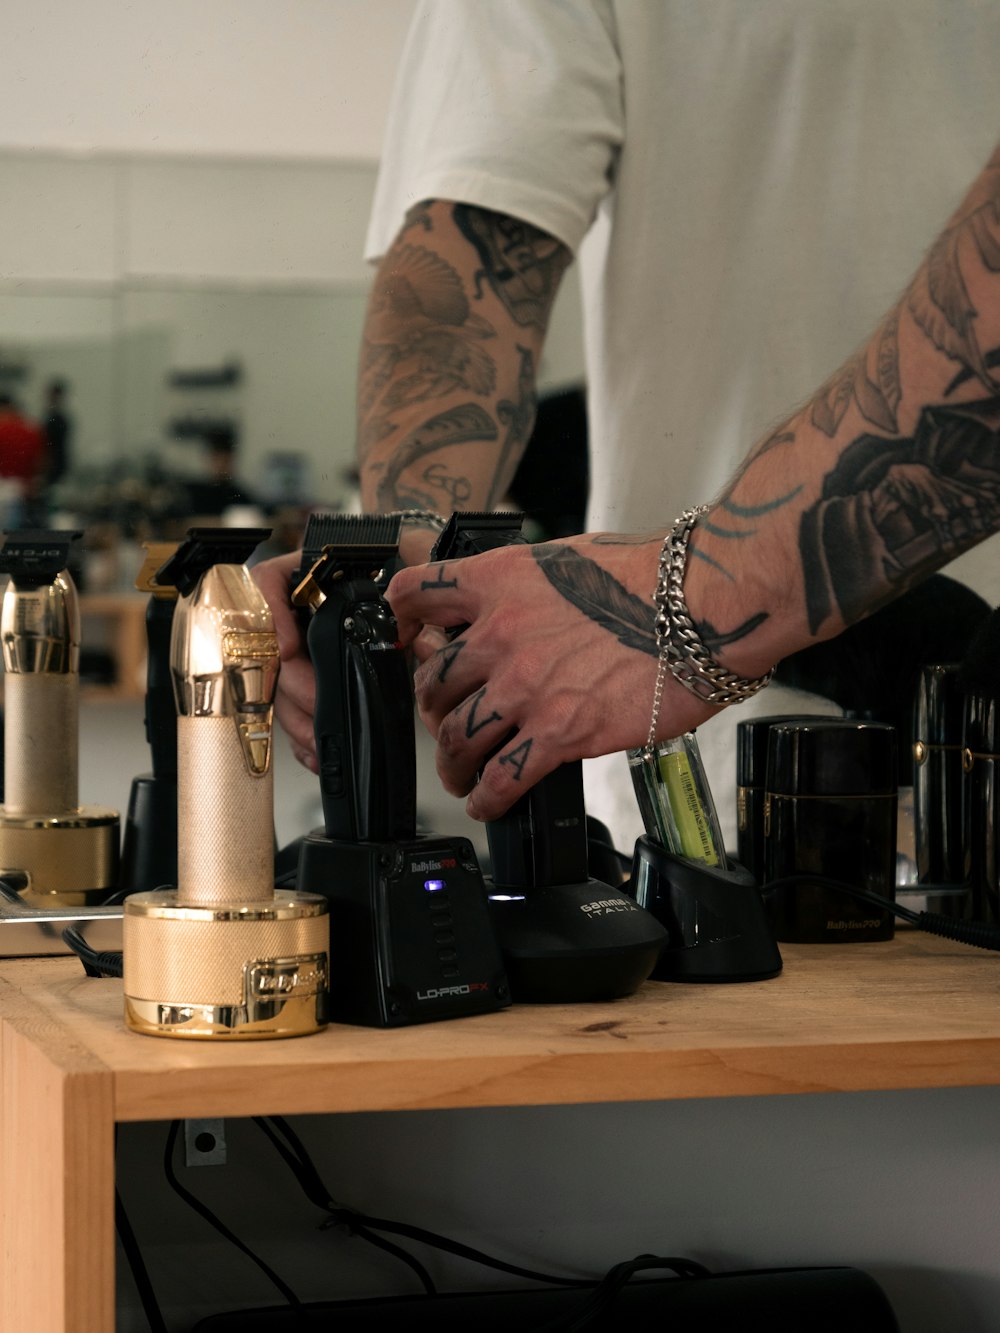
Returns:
<point x="433" y="885"/>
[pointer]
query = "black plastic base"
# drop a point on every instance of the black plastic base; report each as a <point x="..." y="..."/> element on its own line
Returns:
<point x="822" y="1300"/>
<point x="715" y="920"/>
<point x="570" y="943"/>
<point x="149" y="842"/>
<point x="410" y="935"/>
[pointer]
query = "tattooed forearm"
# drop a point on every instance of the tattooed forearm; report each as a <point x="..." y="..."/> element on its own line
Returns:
<point x="518" y="417"/>
<point x="421" y="337"/>
<point x="456" y="489"/>
<point x="892" y="511"/>
<point x="459" y="425"/>
<point x="521" y="264"/>
<point x="871" y="380"/>
<point x="939" y="303"/>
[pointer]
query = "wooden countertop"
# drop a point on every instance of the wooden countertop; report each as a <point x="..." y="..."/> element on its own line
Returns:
<point x="914" y="1012"/>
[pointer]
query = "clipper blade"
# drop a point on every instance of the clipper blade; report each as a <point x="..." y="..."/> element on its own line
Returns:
<point x="205" y="547"/>
<point x="471" y="532"/>
<point x="356" y="539"/>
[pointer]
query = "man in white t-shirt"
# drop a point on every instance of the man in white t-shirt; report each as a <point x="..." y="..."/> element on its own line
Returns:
<point x="750" y="187"/>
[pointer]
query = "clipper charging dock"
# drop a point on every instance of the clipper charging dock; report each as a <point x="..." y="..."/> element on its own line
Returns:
<point x="224" y="955"/>
<point x="564" y="936"/>
<point x="410" y="934"/>
<point x="68" y="853"/>
<point x="716" y="923"/>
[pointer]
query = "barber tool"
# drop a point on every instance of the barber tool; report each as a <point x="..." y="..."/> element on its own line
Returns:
<point x="224" y="955"/>
<point x="149" y="844"/>
<point x="830" y="812"/>
<point x="410" y="931"/>
<point x="68" y="853"/>
<point x="564" y="936"/>
<point x="710" y="905"/>
<point x="751" y="787"/>
<point x="675" y="799"/>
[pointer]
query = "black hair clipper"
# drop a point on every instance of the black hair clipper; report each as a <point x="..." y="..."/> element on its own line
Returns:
<point x="149" y="844"/>
<point x="564" y="936"/>
<point x="411" y="937"/>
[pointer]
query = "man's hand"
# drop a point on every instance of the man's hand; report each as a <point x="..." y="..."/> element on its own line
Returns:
<point x="296" y="696"/>
<point x="557" y="661"/>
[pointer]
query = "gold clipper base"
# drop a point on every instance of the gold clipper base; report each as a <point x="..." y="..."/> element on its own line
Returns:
<point x="233" y="971"/>
<point x="71" y="860"/>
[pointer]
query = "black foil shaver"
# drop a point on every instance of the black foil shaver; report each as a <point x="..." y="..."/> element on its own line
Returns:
<point x="411" y="938"/>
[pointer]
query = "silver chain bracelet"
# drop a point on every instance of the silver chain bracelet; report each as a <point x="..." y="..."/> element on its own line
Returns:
<point x="679" y="648"/>
<point x="421" y="517"/>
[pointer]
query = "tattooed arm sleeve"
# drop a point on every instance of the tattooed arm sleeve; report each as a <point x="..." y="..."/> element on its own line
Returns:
<point x="891" y="470"/>
<point x="446" y="383"/>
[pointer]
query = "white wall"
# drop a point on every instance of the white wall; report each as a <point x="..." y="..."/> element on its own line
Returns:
<point x="251" y="78"/>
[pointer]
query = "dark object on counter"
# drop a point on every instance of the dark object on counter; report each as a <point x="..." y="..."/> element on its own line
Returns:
<point x="717" y="928"/>
<point x="979" y="678"/>
<point x="830" y="811"/>
<point x="939" y="788"/>
<point x="751" y="785"/>
<point x="782" y="1300"/>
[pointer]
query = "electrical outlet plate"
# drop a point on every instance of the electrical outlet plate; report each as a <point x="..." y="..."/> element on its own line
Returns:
<point x="205" y="1142"/>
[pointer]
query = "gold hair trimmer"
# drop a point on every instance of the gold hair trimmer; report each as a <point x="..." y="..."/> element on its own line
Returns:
<point x="68" y="853"/>
<point x="225" y="954"/>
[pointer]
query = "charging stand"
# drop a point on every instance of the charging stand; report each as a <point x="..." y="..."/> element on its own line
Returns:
<point x="716" y="924"/>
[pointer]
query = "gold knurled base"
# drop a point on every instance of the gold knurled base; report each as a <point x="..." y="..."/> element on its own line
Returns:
<point x="234" y="971"/>
<point x="71" y="860"/>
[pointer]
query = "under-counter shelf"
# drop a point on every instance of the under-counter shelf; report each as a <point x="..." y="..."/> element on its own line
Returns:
<point x="913" y="1012"/>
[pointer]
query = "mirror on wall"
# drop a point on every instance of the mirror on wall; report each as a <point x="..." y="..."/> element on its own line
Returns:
<point x="192" y="305"/>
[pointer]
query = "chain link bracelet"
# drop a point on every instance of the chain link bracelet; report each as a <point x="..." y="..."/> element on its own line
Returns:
<point x="420" y="518"/>
<point x="679" y="647"/>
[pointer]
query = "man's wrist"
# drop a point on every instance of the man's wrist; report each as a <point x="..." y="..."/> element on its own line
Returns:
<point x="682" y="649"/>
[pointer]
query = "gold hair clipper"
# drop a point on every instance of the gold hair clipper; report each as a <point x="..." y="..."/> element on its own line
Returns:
<point x="67" y="852"/>
<point x="225" y="955"/>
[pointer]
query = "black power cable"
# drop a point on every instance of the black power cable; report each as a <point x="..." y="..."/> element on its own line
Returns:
<point x="302" y="1166"/>
<point x="204" y="1211"/>
<point x="978" y="934"/>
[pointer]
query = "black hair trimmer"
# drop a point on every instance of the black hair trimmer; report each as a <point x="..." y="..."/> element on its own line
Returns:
<point x="411" y="938"/>
<point x="564" y="936"/>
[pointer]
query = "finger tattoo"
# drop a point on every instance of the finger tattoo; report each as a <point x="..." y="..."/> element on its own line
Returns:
<point x="473" y="722"/>
<point x="517" y="758"/>
<point x="447" y="655"/>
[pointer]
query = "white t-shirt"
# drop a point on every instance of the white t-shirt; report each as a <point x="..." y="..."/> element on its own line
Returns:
<point x="756" y="180"/>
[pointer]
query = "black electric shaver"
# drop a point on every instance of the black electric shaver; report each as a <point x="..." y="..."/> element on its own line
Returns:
<point x="149" y="843"/>
<point x="564" y="936"/>
<point x="411" y="936"/>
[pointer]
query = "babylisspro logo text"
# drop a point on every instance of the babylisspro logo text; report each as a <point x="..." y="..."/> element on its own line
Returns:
<point x="605" y="906"/>
<point x="443" y="992"/>
<point x="426" y="867"/>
